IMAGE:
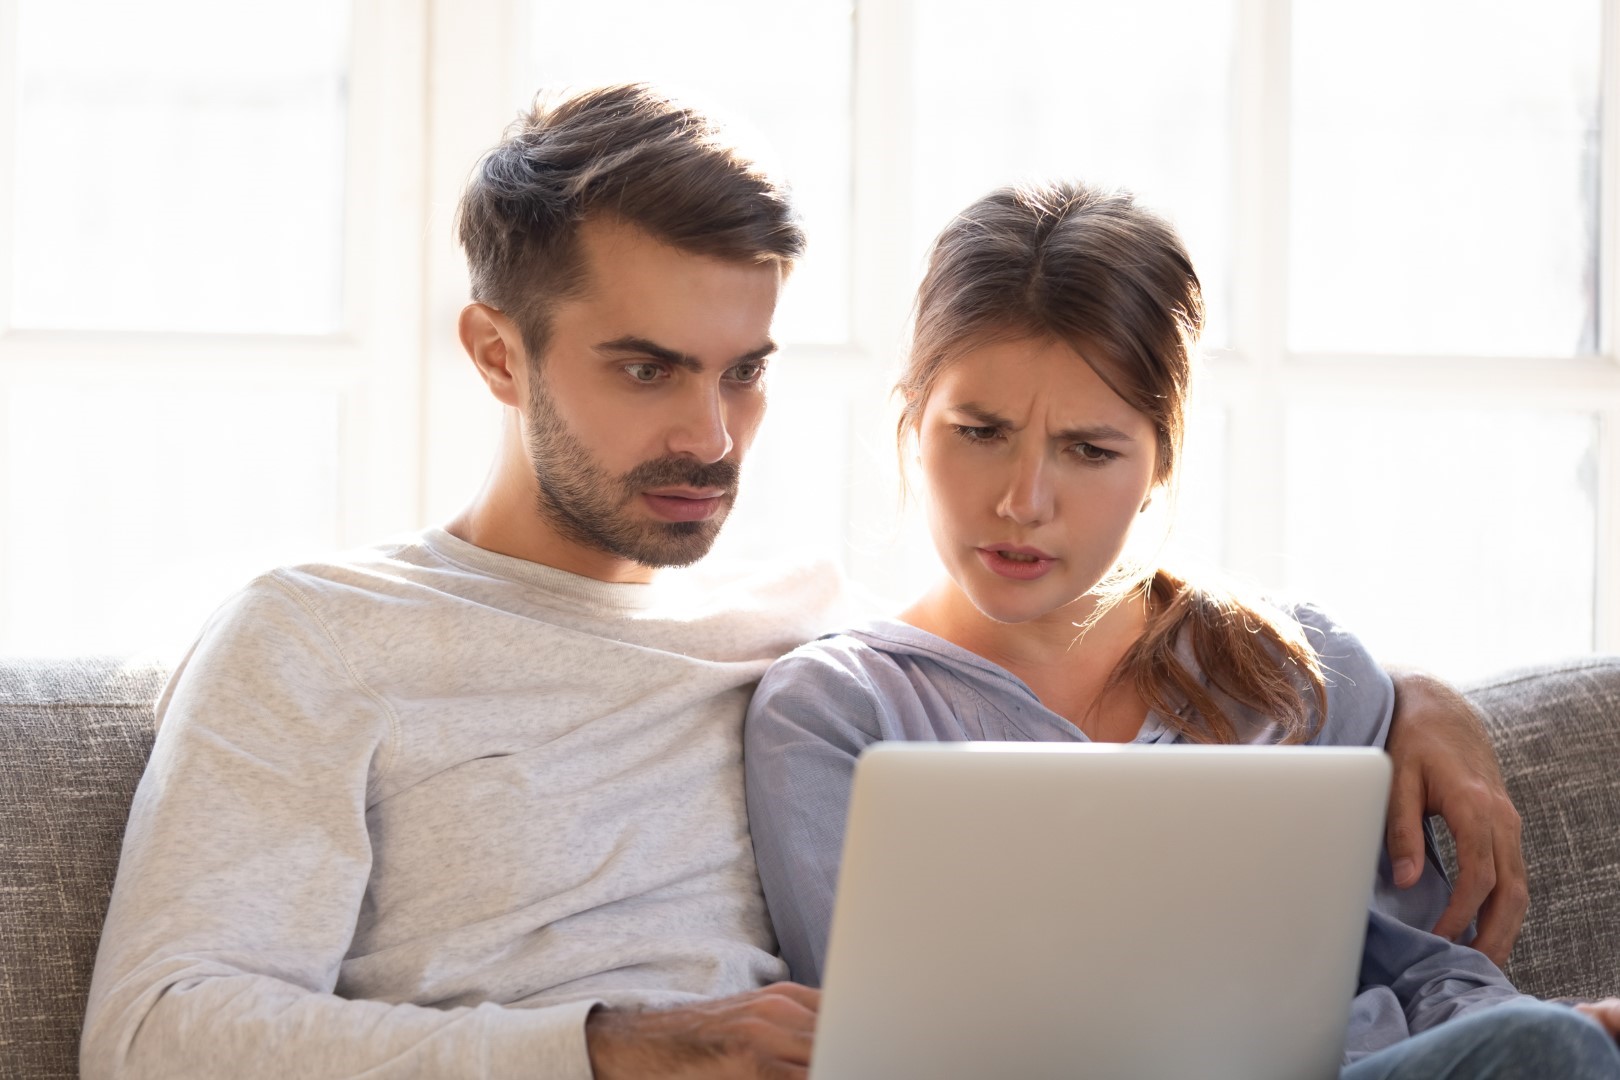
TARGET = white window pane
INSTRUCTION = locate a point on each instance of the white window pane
(180, 167)
(1445, 177)
(782, 69)
(794, 503)
(1464, 541)
(1130, 95)
(1197, 538)
(135, 509)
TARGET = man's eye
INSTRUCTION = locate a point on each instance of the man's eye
(750, 372)
(644, 373)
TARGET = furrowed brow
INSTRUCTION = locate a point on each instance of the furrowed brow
(985, 418)
(635, 346)
(757, 354)
(1098, 433)
(638, 346)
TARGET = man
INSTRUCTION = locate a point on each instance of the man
(470, 803)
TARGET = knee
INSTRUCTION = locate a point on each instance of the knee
(1553, 1040)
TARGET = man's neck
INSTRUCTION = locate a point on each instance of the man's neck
(503, 518)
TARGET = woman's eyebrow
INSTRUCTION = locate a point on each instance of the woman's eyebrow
(974, 411)
(1095, 433)
(1086, 433)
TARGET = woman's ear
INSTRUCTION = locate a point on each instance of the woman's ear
(495, 346)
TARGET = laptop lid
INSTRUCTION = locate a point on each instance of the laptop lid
(1064, 910)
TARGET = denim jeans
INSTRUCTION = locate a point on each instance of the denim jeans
(1521, 1041)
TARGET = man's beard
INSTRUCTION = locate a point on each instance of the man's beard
(591, 507)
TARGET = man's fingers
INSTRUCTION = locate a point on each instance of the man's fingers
(1403, 836)
(1499, 922)
(770, 1042)
(1503, 913)
(807, 996)
(756, 1035)
(1476, 877)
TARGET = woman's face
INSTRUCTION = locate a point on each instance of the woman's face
(1035, 472)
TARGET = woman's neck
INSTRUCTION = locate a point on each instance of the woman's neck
(1067, 667)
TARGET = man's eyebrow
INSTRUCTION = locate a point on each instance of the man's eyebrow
(1094, 433)
(631, 345)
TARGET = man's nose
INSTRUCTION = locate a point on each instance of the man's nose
(702, 430)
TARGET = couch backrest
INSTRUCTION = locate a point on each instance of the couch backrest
(74, 738)
(75, 735)
(1556, 728)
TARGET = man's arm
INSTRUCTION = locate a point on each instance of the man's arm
(247, 869)
(1444, 765)
(244, 874)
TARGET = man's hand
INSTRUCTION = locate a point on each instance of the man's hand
(765, 1034)
(1605, 1012)
(1444, 765)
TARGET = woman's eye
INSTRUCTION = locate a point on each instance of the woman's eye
(1089, 452)
(644, 373)
(976, 434)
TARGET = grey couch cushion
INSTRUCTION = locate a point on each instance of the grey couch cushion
(74, 737)
(1556, 728)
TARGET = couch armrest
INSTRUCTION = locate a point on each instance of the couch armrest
(1556, 729)
(74, 738)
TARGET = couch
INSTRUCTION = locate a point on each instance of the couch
(74, 737)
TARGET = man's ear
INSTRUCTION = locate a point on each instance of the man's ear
(495, 346)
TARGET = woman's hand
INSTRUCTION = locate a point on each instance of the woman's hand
(1444, 765)
(1605, 1012)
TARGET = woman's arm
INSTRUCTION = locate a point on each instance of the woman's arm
(1444, 765)
(808, 722)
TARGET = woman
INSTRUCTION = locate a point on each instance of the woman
(1045, 395)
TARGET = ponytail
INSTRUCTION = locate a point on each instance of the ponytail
(1257, 659)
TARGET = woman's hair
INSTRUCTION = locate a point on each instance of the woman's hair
(624, 152)
(1092, 269)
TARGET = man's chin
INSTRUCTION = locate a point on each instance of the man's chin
(674, 544)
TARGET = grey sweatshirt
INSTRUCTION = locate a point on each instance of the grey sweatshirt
(414, 812)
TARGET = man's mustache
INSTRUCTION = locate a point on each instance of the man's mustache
(683, 472)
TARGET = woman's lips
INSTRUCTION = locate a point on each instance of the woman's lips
(1017, 563)
(684, 505)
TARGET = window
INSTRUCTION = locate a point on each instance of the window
(201, 239)
(1404, 217)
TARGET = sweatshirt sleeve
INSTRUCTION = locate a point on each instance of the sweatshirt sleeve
(1361, 706)
(809, 720)
(244, 869)
(1412, 981)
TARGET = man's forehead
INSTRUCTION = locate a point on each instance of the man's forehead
(638, 288)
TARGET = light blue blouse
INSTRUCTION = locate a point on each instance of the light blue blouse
(820, 705)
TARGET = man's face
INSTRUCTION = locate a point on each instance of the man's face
(647, 396)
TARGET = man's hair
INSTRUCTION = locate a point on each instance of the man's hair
(621, 152)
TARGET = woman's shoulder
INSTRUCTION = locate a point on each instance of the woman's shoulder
(882, 676)
(864, 654)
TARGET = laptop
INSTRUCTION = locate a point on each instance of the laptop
(1022, 910)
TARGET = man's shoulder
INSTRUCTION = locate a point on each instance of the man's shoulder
(309, 602)
(398, 558)
(788, 602)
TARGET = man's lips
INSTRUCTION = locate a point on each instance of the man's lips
(685, 504)
(1015, 561)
